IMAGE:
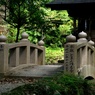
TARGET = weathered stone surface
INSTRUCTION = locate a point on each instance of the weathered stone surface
(41, 43)
(71, 38)
(91, 42)
(70, 57)
(79, 57)
(37, 71)
(19, 55)
(3, 38)
(82, 37)
(24, 36)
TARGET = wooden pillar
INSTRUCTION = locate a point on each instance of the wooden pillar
(81, 24)
(74, 24)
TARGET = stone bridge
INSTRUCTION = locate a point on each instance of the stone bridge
(25, 59)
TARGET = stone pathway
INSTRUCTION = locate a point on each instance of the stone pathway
(38, 71)
(26, 75)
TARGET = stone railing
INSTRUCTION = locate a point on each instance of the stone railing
(80, 56)
(21, 54)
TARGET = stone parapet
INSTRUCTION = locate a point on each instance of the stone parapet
(80, 56)
(17, 55)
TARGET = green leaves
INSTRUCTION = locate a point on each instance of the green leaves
(34, 36)
(53, 55)
(32, 15)
(60, 84)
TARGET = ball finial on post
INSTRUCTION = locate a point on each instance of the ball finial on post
(41, 43)
(24, 36)
(82, 37)
(91, 43)
(3, 38)
(70, 38)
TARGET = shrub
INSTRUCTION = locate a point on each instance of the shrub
(53, 55)
(62, 84)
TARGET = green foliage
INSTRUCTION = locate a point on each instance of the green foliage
(61, 84)
(23, 13)
(53, 55)
(11, 34)
(58, 25)
(52, 25)
(15, 13)
(39, 22)
(34, 36)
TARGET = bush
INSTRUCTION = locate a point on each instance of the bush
(66, 84)
(53, 55)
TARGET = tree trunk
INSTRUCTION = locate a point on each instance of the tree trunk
(18, 30)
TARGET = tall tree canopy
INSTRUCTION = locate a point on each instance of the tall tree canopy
(37, 20)
(19, 13)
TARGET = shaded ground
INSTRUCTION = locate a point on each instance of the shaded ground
(26, 75)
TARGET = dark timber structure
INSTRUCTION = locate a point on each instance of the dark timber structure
(81, 10)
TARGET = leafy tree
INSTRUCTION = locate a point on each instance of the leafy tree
(58, 25)
(38, 21)
(20, 13)
(15, 13)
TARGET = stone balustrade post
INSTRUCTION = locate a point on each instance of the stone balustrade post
(41, 55)
(3, 55)
(24, 50)
(91, 55)
(70, 54)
